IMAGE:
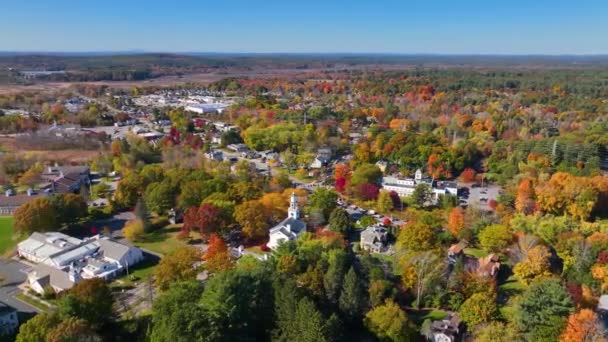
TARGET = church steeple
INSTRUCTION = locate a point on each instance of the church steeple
(294, 210)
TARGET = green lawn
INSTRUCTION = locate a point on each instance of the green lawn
(141, 272)
(33, 302)
(476, 252)
(163, 240)
(7, 242)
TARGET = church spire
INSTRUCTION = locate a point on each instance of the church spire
(294, 209)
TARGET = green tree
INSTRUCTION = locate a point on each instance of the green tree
(384, 204)
(365, 173)
(128, 190)
(101, 190)
(543, 309)
(175, 318)
(286, 304)
(323, 199)
(421, 272)
(38, 328)
(69, 208)
(495, 238)
(352, 296)
(479, 308)
(310, 323)
(422, 195)
(388, 322)
(238, 305)
(160, 197)
(332, 280)
(339, 221)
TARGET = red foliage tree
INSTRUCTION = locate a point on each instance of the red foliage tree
(493, 204)
(206, 219)
(396, 199)
(368, 191)
(340, 184)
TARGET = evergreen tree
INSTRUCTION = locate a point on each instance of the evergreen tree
(141, 212)
(332, 281)
(285, 304)
(339, 221)
(352, 296)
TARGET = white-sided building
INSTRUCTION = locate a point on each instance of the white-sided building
(288, 229)
(62, 260)
(405, 187)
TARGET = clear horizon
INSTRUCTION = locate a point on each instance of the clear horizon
(441, 27)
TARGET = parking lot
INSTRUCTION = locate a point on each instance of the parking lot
(477, 196)
(13, 275)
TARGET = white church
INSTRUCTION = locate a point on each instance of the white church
(288, 229)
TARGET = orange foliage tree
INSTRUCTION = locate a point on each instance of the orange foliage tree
(217, 257)
(468, 175)
(524, 203)
(582, 326)
(456, 221)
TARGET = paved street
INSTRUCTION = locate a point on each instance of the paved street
(13, 274)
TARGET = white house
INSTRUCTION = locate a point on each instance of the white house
(321, 159)
(9, 321)
(288, 229)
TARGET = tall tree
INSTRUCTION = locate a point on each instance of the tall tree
(332, 281)
(421, 272)
(384, 204)
(73, 330)
(456, 221)
(352, 295)
(479, 308)
(339, 221)
(583, 326)
(38, 328)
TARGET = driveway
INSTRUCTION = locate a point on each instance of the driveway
(13, 273)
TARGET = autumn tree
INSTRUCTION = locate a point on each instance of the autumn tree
(415, 237)
(388, 322)
(479, 308)
(524, 202)
(497, 332)
(90, 300)
(206, 219)
(176, 266)
(536, 265)
(467, 175)
(583, 326)
(134, 230)
(456, 221)
(422, 195)
(73, 329)
(37, 215)
(251, 215)
(342, 176)
(217, 257)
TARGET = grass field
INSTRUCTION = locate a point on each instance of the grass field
(6, 234)
(163, 240)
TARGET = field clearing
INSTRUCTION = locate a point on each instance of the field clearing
(162, 241)
(7, 144)
(6, 234)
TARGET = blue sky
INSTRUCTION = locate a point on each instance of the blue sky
(439, 26)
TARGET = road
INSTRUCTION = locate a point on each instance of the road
(14, 275)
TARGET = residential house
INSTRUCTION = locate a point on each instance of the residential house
(382, 165)
(445, 330)
(42, 277)
(215, 155)
(288, 229)
(9, 321)
(66, 179)
(487, 266)
(374, 238)
(238, 147)
(322, 158)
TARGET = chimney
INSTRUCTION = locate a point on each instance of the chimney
(30, 192)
